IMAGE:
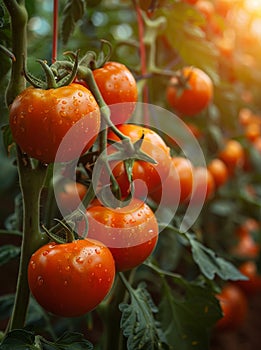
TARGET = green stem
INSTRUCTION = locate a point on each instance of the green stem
(31, 182)
(19, 17)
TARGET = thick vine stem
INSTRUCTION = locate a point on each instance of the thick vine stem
(31, 181)
(19, 17)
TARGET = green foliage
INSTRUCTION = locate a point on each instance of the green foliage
(25, 340)
(72, 12)
(8, 252)
(138, 322)
(187, 321)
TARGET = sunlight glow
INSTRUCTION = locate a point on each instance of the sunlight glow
(253, 6)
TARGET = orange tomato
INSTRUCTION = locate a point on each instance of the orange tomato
(203, 183)
(232, 155)
(190, 91)
(178, 183)
(219, 171)
(252, 131)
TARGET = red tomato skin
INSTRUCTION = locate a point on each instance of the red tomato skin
(71, 279)
(117, 86)
(180, 179)
(131, 232)
(252, 285)
(234, 306)
(39, 120)
(194, 99)
(151, 174)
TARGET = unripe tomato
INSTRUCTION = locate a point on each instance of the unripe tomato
(151, 174)
(119, 90)
(190, 100)
(234, 306)
(130, 232)
(219, 171)
(179, 180)
(71, 279)
(39, 120)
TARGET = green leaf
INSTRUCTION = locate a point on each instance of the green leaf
(68, 341)
(211, 265)
(188, 321)
(138, 323)
(19, 339)
(73, 11)
(8, 252)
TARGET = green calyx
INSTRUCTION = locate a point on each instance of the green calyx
(59, 74)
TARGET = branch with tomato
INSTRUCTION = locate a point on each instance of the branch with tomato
(106, 195)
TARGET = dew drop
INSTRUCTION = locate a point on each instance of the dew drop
(80, 94)
(65, 283)
(105, 270)
(45, 252)
(99, 265)
(67, 268)
(33, 264)
(97, 251)
(92, 274)
(100, 280)
(79, 260)
(40, 280)
(30, 108)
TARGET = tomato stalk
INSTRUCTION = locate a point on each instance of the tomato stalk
(31, 183)
(18, 15)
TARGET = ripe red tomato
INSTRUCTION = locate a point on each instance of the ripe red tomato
(70, 196)
(219, 171)
(119, 90)
(152, 174)
(180, 180)
(234, 306)
(194, 99)
(130, 232)
(39, 120)
(253, 284)
(71, 279)
(232, 155)
(203, 182)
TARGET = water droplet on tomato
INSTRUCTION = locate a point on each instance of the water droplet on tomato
(89, 261)
(67, 268)
(33, 264)
(105, 270)
(79, 260)
(80, 94)
(65, 283)
(100, 280)
(40, 280)
(62, 114)
(45, 252)
(97, 250)
(30, 108)
(99, 265)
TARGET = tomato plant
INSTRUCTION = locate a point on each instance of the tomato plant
(143, 128)
(71, 279)
(130, 232)
(36, 113)
(194, 96)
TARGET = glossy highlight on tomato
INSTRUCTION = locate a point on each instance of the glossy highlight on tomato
(39, 120)
(71, 279)
(130, 232)
(194, 98)
(151, 174)
(118, 88)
